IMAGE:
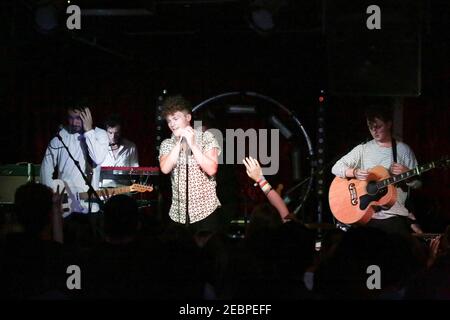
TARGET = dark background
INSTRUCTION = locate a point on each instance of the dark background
(204, 48)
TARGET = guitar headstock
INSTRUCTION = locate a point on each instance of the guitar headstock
(444, 162)
(140, 188)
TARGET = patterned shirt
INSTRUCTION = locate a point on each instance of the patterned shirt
(202, 188)
(368, 155)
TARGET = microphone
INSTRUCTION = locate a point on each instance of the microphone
(184, 144)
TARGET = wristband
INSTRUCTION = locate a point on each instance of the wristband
(259, 181)
(266, 188)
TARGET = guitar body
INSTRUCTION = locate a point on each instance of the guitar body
(352, 201)
(77, 201)
(71, 202)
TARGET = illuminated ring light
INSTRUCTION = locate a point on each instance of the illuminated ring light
(291, 115)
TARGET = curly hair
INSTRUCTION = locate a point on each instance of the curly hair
(174, 104)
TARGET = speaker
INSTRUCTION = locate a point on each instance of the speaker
(13, 176)
(374, 62)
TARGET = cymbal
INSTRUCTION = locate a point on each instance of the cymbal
(325, 226)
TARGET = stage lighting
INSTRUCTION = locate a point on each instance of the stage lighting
(46, 18)
(261, 20)
(262, 14)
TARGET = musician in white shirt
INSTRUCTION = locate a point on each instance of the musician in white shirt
(87, 144)
(121, 151)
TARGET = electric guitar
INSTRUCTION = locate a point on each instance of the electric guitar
(352, 201)
(78, 201)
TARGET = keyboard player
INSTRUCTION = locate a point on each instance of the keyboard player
(121, 151)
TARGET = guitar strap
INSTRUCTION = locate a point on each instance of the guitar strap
(401, 185)
(89, 171)
(394, 149)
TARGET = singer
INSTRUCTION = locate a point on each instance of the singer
(87, 144)
(191, 157)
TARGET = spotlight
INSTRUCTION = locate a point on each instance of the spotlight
(46, 18)
(262, 14)
(261, 20)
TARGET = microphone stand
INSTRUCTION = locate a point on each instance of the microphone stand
(91, 190)
(187, 219)
(299, 207)
(298, 185)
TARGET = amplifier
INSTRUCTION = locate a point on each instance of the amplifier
(13, 176)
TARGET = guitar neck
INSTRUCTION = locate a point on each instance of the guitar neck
(406, 175)
(118, 190)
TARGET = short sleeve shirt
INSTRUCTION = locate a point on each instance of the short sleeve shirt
(201, 187)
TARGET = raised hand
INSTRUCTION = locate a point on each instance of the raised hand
(86, 116)
(434, 250)
(57, 201)
(57, 215)
(254, 170)
(105, 194)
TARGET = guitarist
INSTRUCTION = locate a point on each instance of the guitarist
(87, 144)
(395, 156)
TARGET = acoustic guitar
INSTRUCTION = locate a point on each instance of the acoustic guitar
(353, 201)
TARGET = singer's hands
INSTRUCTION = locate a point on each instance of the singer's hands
(168, 161)
(254, 171)
(86, 116)
(398, 168)
(189, 134)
